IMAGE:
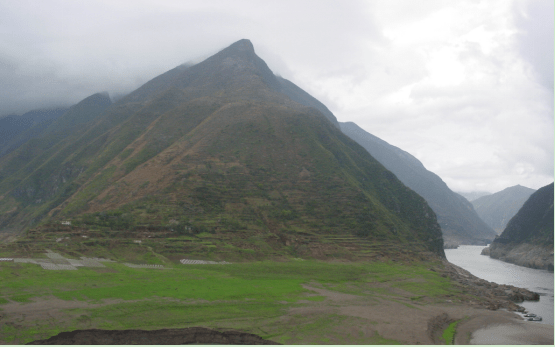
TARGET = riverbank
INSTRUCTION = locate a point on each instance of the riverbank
(524, 254)
(492, 296)
(500, 272)
(496, 324)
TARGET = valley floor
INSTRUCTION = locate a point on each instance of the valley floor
(359, 321)
(291, 302)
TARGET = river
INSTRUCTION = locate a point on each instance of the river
(493, 270)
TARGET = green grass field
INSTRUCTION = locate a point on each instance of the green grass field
(449, 334)
(253, 297)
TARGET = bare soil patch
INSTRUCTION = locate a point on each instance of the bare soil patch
(399, 318)
(47, 308)
(195, 335)
(522, 333)
(331, 295)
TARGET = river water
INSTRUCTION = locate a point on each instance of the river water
(493, 270)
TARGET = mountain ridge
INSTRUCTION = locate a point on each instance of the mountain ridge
(237, 60)
(471, 196)
(497, 209)
(528, 238)
(456, 216)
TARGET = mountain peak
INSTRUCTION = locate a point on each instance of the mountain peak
(242, 45)
(518, 187)
(240, 50)
(235, 71)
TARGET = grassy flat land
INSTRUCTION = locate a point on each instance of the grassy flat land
(296, 301)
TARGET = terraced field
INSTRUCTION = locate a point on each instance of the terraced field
(158, 245)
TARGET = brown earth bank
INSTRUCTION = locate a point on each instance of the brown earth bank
(524, 254)
(195, 335)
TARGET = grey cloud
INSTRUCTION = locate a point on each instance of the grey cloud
(535, 21)
(59, 52)
(77, 49)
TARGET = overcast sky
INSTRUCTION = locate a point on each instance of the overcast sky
(464, 86)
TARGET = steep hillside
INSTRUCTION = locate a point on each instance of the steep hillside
(63, 124)
(219, 148)
(497, 209)
(297, 94)
(34, 177)
(458, 220)
(16, 130)
(528, 238)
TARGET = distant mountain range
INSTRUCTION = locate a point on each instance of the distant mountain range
(456, 216)
(471, 196)
(528, 238)
(221, 147)
(497, 209)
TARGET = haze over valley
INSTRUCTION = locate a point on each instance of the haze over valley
(289, 186)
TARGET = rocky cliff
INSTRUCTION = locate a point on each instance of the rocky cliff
(525, 254)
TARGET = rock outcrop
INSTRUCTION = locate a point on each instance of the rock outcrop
(525, 254)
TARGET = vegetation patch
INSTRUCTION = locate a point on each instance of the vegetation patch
(254, 296)
(449, 334)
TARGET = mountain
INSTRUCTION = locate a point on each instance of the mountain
(12, 127)
(528, 238)
(233, 72)
(37, 168)
(456, 216)
(222, 148)
(63, 123)
(471, 196)
(497, 209)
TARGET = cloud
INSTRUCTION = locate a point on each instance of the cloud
(117, 46)
(465, 86)
(466, 103)
(534, 40)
